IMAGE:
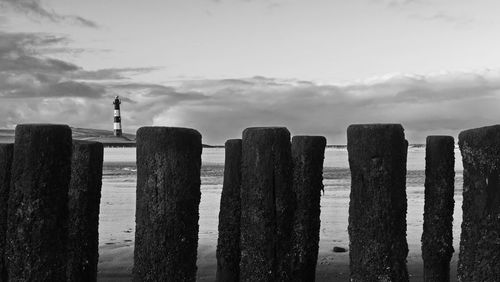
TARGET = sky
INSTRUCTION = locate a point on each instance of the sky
(220, 66)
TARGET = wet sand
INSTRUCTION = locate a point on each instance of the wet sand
(116, 265)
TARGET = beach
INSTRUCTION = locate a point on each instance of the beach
(117, 215)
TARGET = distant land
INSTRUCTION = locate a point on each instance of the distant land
(106, 137)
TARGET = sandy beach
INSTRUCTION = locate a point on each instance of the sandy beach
(117, 219)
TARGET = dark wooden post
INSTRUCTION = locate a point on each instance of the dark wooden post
(228, 246)
(6, 154)
(377, 208)
(168, 198)
(479, 257)
(267, 205)
(84, 200)
(437, 238)
(308, 153)
(37, 222)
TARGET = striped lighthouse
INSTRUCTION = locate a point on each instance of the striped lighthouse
(117, 125)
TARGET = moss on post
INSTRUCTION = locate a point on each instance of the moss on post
(308, 153)
(6, 154)
(84, 200)
(377, 208)
(437, 237)
(37, 219)
(267, 204)
(479, 256)
(168, 198)
(228, 246)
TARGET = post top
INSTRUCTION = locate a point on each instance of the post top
(320, 140)
(159, 130)
(480, 147)
(375, 126)
(233, 141)
(41, 127)
(480, 132)
(440, 138)
(265, 131)
(77, 142)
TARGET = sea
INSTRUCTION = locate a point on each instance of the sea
(117, 210)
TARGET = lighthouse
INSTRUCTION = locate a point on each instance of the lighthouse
(117, 124)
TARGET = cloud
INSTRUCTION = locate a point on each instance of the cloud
(34, 9)
(21, 59)
(425, 104)
(268, 4)
(38, 88)
(35, 87)
(3, 20)
(400, 3)
(112, 73)
(57, 91)
(444, 17)
(26, 73)
(426, 11)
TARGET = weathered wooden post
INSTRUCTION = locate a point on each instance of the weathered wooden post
(168, 198)
(479, 257)
(6, 154)
(308, 153)
(437, 237)
(228, 246)
(267, 204)
(37, 222)
(84, 199)
(377, 208)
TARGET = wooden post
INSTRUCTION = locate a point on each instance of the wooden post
(168, 198)
(267, 204)
(6, 154)
(228, 246)
(84, 200)
(37, 222)
(479, 257)
(308, 153)
(377, 208)
(437, 238)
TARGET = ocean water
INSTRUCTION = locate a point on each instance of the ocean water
(117, 218)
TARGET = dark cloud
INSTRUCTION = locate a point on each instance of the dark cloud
(24, 43)
(33, 8)
(60, 89)
(25, 73)
(20, 54)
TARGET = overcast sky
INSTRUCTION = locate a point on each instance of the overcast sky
(223, 65)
